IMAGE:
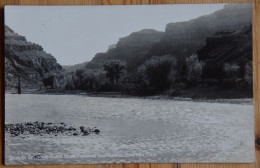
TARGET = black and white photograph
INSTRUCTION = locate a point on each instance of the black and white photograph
(129, 84)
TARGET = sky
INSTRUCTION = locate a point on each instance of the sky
(74, 34)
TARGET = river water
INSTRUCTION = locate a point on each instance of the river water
(132, 130)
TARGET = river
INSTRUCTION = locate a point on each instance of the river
(133, 130)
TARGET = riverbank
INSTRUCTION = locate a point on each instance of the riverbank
(192, 95)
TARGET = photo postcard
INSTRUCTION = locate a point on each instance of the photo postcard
(129, 84)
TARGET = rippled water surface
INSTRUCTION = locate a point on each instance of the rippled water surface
(132, 130)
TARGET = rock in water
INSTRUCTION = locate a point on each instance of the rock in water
(41, 128)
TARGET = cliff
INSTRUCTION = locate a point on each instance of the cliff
(180, 39)
(27, 60)
(227, 55)
(132, 49)
(184, 38)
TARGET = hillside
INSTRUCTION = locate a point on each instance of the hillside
(206, 57)
(73, 68)
(132, 49)
(180, 39)
(27, 60)
(227, 56)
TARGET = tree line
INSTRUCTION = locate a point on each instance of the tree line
(154, 76)
(157, 75)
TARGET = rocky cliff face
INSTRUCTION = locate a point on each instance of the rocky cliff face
(27, 60)
(180, 39)
(131, 49)
(227, 55)
(139, 41)
(185, 38)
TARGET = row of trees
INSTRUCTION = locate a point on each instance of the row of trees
(155, 75)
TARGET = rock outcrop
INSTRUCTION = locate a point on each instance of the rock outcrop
(226, 55)
(43, 129)
(185, 38)
(131, 49)
(27, 60)
(180, 39)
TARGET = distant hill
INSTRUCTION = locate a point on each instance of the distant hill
(73, 68)
(27, 60)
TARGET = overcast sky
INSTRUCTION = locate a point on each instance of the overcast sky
(74, 34)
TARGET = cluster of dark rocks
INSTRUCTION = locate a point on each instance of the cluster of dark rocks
(41, 128)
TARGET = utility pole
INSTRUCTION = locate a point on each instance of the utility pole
(19, 85)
